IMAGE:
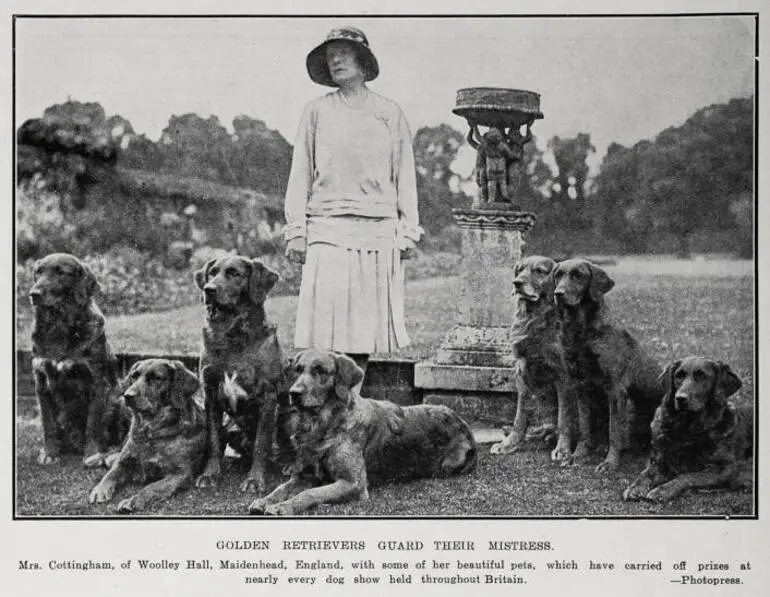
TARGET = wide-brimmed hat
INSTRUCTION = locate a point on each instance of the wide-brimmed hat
(317, 67)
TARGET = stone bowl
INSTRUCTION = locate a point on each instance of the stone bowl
(494, 106)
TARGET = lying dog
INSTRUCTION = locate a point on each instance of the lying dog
(242, 368)
(75, 372)
(167, 441)
(699, 439)
(605, 365)
(345, 441)
(540, 374)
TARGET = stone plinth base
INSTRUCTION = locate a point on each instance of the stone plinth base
(471, 370)
(479, 394)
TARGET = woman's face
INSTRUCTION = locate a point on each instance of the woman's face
(343, 63)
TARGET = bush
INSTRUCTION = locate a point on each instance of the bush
(130, 283)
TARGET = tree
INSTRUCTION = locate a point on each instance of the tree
(570, 155)
(691, 178)
(261, 157)
(435, 149)
(66, 150)
(197, 147)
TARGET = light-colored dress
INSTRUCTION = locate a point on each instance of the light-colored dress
(352, 194)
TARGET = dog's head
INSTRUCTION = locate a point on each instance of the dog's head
(322, 377)
(698, 383)
(154, 384)
(60, 280)
(533, 279)
(579, 281)
(230, 282)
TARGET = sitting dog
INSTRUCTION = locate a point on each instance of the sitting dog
(167, 440)
(75, 371)
(242, 368)
(344, 441)
(540, 374)
(605, 365)
(699, 439)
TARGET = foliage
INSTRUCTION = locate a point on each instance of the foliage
(696, 177)
(67, 149)
(130, 282)
(570, 156)
(435, 149)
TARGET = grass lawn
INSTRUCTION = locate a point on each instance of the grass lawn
(673, 308)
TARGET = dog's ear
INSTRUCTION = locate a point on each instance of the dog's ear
(667, 381)
(726, 383)
(88, 285)
(35, 267)
(600, 284)
(184, 383)
(290, 368)
(201, 275)
(549, 284)
(348, 375)
(261, 281)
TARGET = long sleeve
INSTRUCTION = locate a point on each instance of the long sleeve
(300, 177)
(406, 184)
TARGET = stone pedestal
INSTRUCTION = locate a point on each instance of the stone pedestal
(471, 370)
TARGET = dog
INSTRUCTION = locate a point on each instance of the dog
(346, 442)
(242, 368)
(605, 365)
(699, 439)
(167, 441)
(74, 369)
(540, 373)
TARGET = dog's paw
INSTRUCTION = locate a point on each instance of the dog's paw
(208, 480)
(101, 493)
(130, 505)
(93, 460)
(661, 494)
(258, 506)
(253, 485)
(634, 492)
(504, 447)
(608, 465)
(110, 459)
(282, 509)
(46, 457)
(562, 454)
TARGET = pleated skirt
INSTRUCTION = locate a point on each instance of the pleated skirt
(351, 300)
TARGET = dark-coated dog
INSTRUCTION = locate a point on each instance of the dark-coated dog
(540, 373)
(699, 438)
(167, 441)
(242, 369)
(606, 366)
(75, 371)
(345, 442)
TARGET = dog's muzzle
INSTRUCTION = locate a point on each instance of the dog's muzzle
(132, 401)
(209, 294)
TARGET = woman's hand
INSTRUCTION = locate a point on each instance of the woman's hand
(296, 249)
(408, 249)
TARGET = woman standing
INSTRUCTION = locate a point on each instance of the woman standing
(351, 206)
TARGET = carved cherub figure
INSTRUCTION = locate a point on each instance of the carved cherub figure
(516, 141)
(494, 156)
